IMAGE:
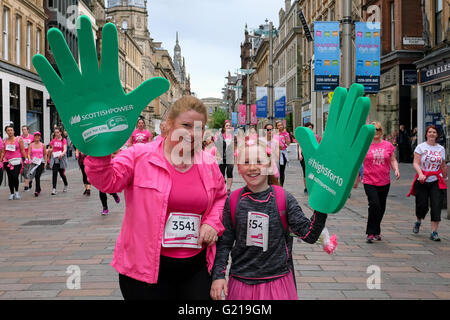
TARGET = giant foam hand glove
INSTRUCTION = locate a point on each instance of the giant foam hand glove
(332, 165)
(96, 112)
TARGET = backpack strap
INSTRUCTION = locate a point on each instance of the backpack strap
(234, 198)
(281, 200)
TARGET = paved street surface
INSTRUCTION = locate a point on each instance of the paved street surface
(34, 259)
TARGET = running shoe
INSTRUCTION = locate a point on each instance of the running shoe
(116, 198)
(26, 189)
(305, 191)
(53, 192)
(88, 192)
(65, 189)
(377, 237)
(11, 197)
(17, 196)
(434, 236)
(36, 194)
(85, 191)
(370, 238)
(416, 227)
(105, 212)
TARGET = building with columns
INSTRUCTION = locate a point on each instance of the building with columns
(23, 96)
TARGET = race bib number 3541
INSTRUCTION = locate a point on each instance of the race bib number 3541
(182, 230)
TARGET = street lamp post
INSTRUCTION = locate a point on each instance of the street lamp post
(248, 72)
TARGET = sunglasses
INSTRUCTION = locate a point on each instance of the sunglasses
(269, 129)
(379, 129)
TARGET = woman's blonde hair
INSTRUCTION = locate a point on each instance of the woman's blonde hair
(184, 104)
(377, 123)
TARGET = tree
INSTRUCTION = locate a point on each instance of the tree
(218, 118)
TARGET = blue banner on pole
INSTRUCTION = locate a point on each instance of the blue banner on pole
(261, 102)
(326, 55)
(280, 102)
(234, 119)
(367, 57)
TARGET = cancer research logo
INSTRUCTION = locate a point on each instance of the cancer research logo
(75, 119)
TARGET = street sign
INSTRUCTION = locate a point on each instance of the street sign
(413, 41)
(305, 25)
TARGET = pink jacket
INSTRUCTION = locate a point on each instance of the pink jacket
(141, 171)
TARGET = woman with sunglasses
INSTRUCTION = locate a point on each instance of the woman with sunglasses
(376, 179)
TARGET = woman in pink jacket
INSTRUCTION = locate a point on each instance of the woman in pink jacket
(174, 195)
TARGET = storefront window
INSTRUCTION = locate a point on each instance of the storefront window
(14, 106)
(437, 111)
(35, 110)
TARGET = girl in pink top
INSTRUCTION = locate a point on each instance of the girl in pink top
(140, 135)
(174, 197)
(27, 138)
(58, 161)
(12, 154)
(376, 179)
(285, 141)
(37, 156)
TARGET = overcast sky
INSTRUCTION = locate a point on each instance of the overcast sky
(210, 33)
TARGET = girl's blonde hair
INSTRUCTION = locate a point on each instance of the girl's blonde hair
(184, 104)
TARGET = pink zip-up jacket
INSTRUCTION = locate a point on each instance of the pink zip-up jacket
(142, 172)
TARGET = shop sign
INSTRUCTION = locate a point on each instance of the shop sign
(435, 72)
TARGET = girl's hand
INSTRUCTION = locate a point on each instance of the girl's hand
(217, 287)
(207, 234)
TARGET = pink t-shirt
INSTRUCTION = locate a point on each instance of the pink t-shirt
(181, 199)
(377, 164)
(139, 136)
(11, 154)
(284, 140)
(37, 152)
(58, 145)
(27, 141)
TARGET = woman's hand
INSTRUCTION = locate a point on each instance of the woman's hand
(397, 174)
(207, 234)
(422, 178)
(217, 287)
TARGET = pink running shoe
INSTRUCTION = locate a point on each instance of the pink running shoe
(105, 212)
(116, 198)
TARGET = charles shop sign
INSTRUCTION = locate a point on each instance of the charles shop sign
(435, 72)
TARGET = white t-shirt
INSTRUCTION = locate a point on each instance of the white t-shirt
(431, 158)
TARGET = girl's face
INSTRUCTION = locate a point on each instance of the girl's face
(57, 133)
(140, 124)
(280, 127)
(10, 132)
(25, 131)
(254, 170)
(181, 130)
(432, 135)
(37, 138)
(227, 126)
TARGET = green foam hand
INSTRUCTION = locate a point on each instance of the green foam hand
(332, 165)
(95, 110)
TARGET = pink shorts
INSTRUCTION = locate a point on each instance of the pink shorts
(280, 289)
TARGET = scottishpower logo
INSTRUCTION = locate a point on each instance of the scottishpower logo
(75, 119)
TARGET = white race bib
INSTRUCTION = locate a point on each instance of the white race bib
(25, 145)
(36, 160)
(10, 147)
(182, 230)
(15, 161)
(56, 154)
(258, 230)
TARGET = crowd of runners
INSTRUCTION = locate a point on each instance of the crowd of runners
(173, 245)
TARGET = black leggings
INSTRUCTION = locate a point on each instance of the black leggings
(55, 170)
(377, 196)
(37, 177)
(13, 177)
(104, 198)
(85, 179)
(282, 168)
(428, 191)
(228, 168)
(178, 279)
